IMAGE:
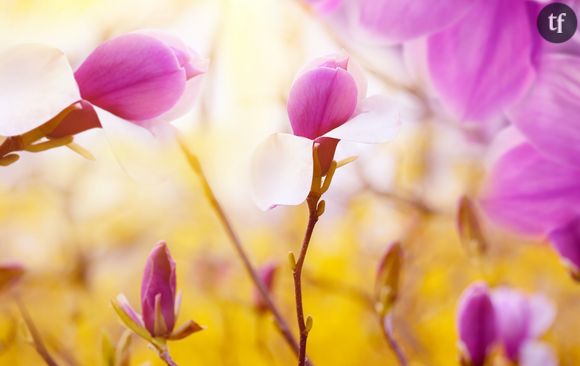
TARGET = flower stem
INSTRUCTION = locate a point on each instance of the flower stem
(387, 328)
(313, 215)
(166, 357)
(283, 327)
(35, 334)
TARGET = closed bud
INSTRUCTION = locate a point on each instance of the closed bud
(388, 277)
(470, 233)
(10, 274)
(267, 274)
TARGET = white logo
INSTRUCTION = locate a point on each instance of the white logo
(559, 19)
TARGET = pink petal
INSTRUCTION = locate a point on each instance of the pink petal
(534, 353)
(566, 240)
(376, 121)
(476, 323)
(543, 314)
(320, 100)
(134, 76)
(395, 21)
(531, 193)
(325, 6)
(513, 317)
(549, 114)
(483, 63)
(36, 84)
(128, 309)
(281, 171)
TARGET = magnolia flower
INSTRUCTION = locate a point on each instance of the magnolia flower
(159, 302)
(10, 274)
(476, 322)
(478, 63)
(140, 77)
(267, 274)
(327, 104)
(520, 319)
(566, 240)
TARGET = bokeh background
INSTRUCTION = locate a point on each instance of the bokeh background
(83, 228)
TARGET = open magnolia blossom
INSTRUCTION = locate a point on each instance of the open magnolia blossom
(143, 78)
(507, 318)
(159, 302)
(327, 103)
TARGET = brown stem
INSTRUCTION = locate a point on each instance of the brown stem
(387, 328)
(166, 357)
(239, 248)
(36, 338)
(312, 201)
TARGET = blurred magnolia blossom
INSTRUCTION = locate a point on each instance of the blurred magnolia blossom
(536, 194)
(327, 103)
(159, 302)
(10, 274)
(143, 78)
(505, 317)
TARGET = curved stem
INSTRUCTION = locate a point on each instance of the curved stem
(387, 328)
(35, 334)
(166, 357)
(195, 165)
(312, 201)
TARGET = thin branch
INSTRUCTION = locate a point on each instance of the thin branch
(35, 334)
(239, 248)
(387, 328)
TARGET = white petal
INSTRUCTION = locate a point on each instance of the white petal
(139, 150)
(543, 314)
(36, 83)
(281, 171)
(535, 353)
(377, 122)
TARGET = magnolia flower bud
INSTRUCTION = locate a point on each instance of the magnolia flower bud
(388, 276)
(470, 232)
(10, 274)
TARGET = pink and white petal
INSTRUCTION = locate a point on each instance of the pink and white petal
(128, 309)
(376, 121)
(281, 171)
(396, 21)
(36, 84)
(482, 64)
(138, 150)
(543, 313)
(530, 193)
(548, 115)
(325, 6)
(535, 353)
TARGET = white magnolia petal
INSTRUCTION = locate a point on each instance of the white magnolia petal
(377, 121)
(534, 353)
(543, 313)
(139, 150)
(281, 171)
(36, 83)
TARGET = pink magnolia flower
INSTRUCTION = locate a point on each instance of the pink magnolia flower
(478, 63)
(566, 240)
(159, 301)
(10, 274)
(327, 104)
(476, 322)
(520, 320)
(137, 77)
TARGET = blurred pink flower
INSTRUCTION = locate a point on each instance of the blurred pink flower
(478, 63)
(139, 77)
(476, 324)
(159, 301)
(10, 274)
(327, 103)
(267, 274)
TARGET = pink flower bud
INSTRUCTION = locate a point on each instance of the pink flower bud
(476, 324)
(136, 76)
(267, 274)
(158, 291)
(10, 274)
(388, 276)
